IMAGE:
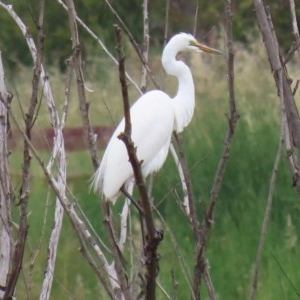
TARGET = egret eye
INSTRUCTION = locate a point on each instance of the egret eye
(179, 55)
(183, 56)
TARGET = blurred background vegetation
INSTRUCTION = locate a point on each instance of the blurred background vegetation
(98, 16)
(233, 241)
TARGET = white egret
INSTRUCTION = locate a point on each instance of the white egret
(154, 117)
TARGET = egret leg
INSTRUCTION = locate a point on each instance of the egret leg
(127, 195)
(141, 213)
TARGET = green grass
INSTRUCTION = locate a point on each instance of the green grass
(233, 240)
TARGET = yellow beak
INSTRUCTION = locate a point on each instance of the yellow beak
(207, 49)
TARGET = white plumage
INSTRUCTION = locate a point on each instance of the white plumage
(154, 116)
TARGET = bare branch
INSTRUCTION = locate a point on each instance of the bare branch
(124, 219)
(52, 251)
(145, 48)
(44, 80)
(102, 45)
(68, 81)
(153, 237)
(233, 116)
(122, 79)
(185, 202)
(116, 270)
(83, 234)
(283, 86)
(296, 44)
(24, 190)
(283, 272)
(267, 213)
(177, 247)
(196, 18)
(77, 61)
(58, 139)
(134, 43)
(201, 267)
(58, 150)
(95, 258)
(6, 242)
(295, 25)
(188, 185)
(166, 32)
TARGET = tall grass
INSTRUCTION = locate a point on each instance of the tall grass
(233, 240)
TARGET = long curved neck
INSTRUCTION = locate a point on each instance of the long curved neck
(184, 101)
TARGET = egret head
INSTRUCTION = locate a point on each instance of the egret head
(186, 42)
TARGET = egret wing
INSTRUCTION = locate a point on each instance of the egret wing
(152, 119)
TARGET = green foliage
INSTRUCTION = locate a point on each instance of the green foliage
(96, 14)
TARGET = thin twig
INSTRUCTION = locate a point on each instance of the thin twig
(166, 32)
(69, 76)
(283, 130)
(185, 202)
(188, 185)
(133, 42)
(77, 62)
(164, 292)
(102, 45)
(59, 152)
(145, 48)
(233, 115)
(196, 18)
(179, 254)
(201, 267)
(34, 253)
(296, 44)
(267, 214)
(123, 219)
(174, 285)
(295, 25)
(232, 119)
(293, 286)
(208, 282)
(116, 270)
